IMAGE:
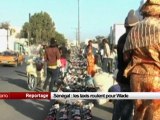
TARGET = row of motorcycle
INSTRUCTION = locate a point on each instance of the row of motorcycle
(74, 79)
(70, 110)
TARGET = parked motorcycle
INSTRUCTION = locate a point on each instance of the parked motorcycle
(35, 73)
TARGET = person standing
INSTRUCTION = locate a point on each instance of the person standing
(63, 51)
(52, 57)
(105, 52)
(142, 49)
(111, 61)
(90, 55)
(123, 108)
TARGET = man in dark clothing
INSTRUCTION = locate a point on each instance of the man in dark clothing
(123, 108)
(63, 51)
(121, 64)
(52, 57)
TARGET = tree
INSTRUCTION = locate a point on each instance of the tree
(60, 38)
(40, 28)
(25, 30)
(4, 25)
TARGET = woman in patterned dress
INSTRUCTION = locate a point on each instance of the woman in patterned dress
(142, 49)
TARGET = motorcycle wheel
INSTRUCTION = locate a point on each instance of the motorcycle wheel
(32, 82)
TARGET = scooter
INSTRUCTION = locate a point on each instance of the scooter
(35, 73)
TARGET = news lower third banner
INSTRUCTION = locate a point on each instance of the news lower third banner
(80, 95)
(105, 95)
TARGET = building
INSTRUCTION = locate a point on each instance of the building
(9, 41)
(116, 31)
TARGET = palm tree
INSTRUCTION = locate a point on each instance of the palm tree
(6, 26)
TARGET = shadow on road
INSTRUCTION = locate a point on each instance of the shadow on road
(20, 73)
(18, 82)
(35, 109)
(9, 66)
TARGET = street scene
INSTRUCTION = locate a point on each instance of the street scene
(78, 46)
(14, 79)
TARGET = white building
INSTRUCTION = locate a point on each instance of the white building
(6, 42)
(116, 32)
(9, 41)
(118, 29)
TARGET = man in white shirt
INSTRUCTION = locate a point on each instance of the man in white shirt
(105, 52)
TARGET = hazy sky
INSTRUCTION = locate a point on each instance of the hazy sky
(96, 16)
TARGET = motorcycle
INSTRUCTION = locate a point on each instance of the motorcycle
(35, 73)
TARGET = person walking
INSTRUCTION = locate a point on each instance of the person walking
(105, 52)
(52, 57)
(142, 49)
(123, 108)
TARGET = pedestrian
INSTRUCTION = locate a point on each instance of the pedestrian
(98, 60)
(105, 52)
(52, 57)
(111, 59)
(63, 65)
(142, 49)
(63, 51)
(93, 49)
(123, 108)
(26, 57)
(90, 54)
(42, 51)
(115, 58)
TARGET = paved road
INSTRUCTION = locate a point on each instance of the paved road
(102, 112)
(13, 79)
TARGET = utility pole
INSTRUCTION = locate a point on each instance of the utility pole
(76, 37)
(78, 24)
(29, 30)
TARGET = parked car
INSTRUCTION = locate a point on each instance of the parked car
(11, 58)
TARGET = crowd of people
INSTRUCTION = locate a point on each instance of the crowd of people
(138, 52)
(103, 57)
(137, 58)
